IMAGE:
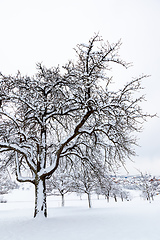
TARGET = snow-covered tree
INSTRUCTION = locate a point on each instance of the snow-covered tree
(111, 187)
(149, 186)
(106, 186)
(6, 183)
(155, 186)
(117, 191)
(78, 105)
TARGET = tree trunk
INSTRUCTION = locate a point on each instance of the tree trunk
(89, 200)
(152, 197)
(122, 197)
(40, 198)
(107, 196)
(62, 199)
(115, 198)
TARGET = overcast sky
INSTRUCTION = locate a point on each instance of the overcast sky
(46, 31)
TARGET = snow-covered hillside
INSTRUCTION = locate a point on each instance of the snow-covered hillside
(128, 220)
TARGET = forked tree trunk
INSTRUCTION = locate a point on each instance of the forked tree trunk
(40, 199)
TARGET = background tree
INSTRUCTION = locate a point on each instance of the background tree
(6, 184)
(61, 181)
(106, 186)
(117, 190)
(85, 180)
(149, 186)
(78, 104)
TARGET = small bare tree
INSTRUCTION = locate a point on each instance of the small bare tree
(78, 104)
(85, 179)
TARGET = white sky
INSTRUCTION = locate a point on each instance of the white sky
(46, 31)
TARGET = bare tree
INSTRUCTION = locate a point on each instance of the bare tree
(61, 181)
(85, 179)
(106, 186)
(78, 105)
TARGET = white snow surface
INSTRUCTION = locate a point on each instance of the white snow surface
(132, 220)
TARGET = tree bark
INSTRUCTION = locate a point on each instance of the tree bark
(107, 196)
(122, 197)
(89, 200)
(62, 199)
(115, 198)
(40, 198)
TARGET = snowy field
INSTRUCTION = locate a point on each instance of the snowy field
(134, 220)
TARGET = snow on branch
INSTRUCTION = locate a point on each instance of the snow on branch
(10, 117)
(14, 147)
(18, 172)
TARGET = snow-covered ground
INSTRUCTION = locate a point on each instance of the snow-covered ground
(133, 220)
